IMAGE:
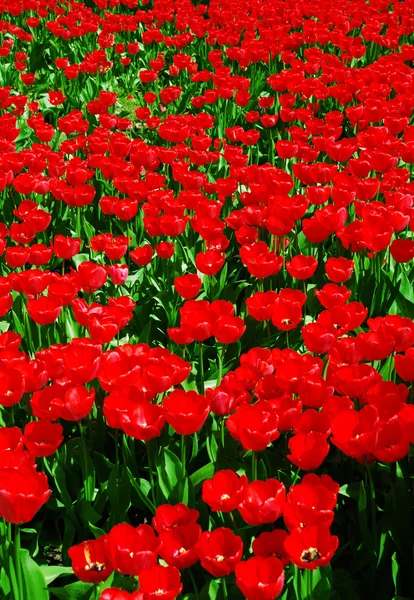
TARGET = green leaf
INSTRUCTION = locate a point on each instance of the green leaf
(80, 258)
(86, 513)
(170, 472)
(119, 494)
(97, 531)
(395, 570)
(211, 590)
(52, 572)
(138, 487)
(74, 591)
(33, 579)
(202, 474)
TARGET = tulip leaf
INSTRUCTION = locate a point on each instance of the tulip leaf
(52, 572)
(170, 472)
(138, 486)
(33, 578)
(202, 474)
(74, 591)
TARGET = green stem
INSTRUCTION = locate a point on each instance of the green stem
(309, 581)
(193, 583)
(373, 505)
(151, 476)
(221, 359)
(200, 353)
(183, 453)
(223, 432)
(225, 595)
(18, 564)
(254, 466)
(89, 491)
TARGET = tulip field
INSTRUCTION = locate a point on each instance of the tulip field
(206, 300)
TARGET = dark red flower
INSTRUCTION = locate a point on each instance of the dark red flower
(143, 421)
(178, 545)
(115, 594)
(339, 269)
(263, 502)
(12, 385)
(255, 426)
(43, 438)
(224, 491)
(23, 492)
(168, 517)
(301, 267)
(186, 412)
(188, 286)
(90, 561)
(404, 365)
(219, 551)
(260, 578)
(132, 549)
(356, 432)
(311, 502)
(66, 247)
(271, 543)
(308, 450)
(311, 547)
(160, 583)
(44, 310)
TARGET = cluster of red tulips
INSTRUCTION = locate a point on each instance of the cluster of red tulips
(206, 299)
(307, 511)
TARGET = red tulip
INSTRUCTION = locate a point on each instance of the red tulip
(308, 450)
(43, 438)
(143, 421)
(130, 549)
(310, 502)
(271, 543)
(115, 594)
(224, 491)
(12, 386)
(332, 295)
(160, 583)
(63, 401)
(66, 247)
(404, 365)
(210, 262)
(263, 502)
(81, 361)
(356, 432)
(178, 545)
(90, 562)
(260, 305)
(186, 412)
(91, 276)
(311, 547)
(11, 438)
(44, 310)
(142, 256)
(22, 493)
(219, 551)
(302, 267)
(339, 269)
(260, 578)
(255, 426)
(168, 517)
(188, 286)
